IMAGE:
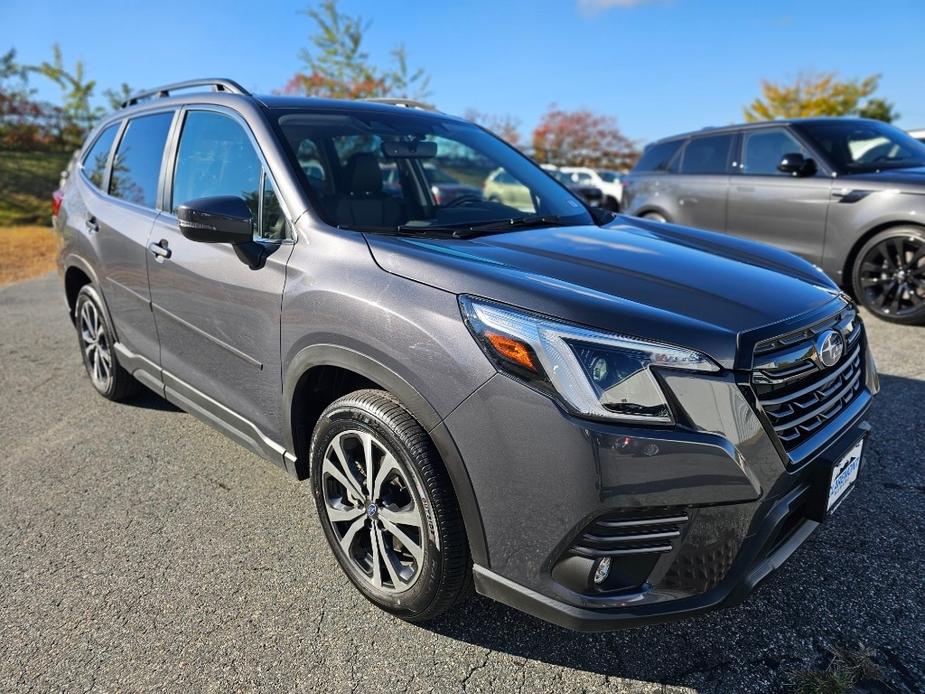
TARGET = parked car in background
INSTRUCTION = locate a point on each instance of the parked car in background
(609, 183)
(847, 194)
(597, 420)
(502, 187)
(592, 195)
(918, 134)
(443, 187)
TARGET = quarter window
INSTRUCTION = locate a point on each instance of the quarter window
(763, 149)
(707, 155)
(136, 167)
(97, 158)
(658, 157)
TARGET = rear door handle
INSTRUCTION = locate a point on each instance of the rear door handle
(92, 225)
(160, 250)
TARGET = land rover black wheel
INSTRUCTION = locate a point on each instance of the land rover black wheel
(889, 275)
(387, 506)
(97, 341)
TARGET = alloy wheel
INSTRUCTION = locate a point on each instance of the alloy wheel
(96, 347)
(377, 520)
(892, 276)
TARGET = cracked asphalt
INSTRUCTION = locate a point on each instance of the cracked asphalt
(141, 550)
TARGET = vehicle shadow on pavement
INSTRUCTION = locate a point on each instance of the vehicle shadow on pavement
(796, 614)
(149, 400)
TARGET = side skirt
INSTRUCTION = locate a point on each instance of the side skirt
(206, 408)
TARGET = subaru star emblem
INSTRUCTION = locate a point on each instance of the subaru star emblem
(830, 347)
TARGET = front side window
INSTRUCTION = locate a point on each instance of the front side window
(763, 149)
(216, 157)
(97, 158)
(707, 155)
(852, 146)
(411, 172)
(136, 167)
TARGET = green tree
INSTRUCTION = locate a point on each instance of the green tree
(116, 97)
(79, 114)
(819, 94)
(337, 66)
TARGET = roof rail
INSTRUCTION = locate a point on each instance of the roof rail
(219, 84)
(407, 103)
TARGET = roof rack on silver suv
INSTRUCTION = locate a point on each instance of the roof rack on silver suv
(407, 103)
(218, 84)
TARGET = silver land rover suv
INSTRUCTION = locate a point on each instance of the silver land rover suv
(847, 194)
(598, 420)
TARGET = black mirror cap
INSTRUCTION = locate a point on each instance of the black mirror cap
(218, 219)
(796, 164)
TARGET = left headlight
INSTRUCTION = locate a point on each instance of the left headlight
(594, 374)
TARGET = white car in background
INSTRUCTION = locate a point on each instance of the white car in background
(918, 134)
(608, 182)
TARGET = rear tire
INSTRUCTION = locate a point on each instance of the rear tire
(387, 507)
(97, 347)
(888, 276)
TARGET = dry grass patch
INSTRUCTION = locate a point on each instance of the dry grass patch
(25, 252)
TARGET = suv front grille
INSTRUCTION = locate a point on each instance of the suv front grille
(795, 391)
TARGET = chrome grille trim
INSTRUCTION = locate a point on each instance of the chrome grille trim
(802, 400)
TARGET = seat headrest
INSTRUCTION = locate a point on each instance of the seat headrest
(363, 173)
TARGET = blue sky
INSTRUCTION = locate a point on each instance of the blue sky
(659, 66)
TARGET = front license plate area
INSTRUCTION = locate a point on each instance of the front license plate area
(844, 475)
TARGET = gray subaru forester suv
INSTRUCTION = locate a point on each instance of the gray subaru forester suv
(847, 194)
(597, 420)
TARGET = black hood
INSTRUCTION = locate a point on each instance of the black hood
(660, 282)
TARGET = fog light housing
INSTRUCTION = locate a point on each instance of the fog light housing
(602, 571)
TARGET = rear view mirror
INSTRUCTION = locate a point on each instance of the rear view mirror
(403, 149)
(219, 219)
(797, 165)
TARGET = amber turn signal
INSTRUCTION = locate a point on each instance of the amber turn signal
(513, 350)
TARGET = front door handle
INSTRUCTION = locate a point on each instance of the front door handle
(160, 250)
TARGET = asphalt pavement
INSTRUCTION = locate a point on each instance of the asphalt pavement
(141, 550)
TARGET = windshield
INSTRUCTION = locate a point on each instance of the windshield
(375, 171)
(854, 146)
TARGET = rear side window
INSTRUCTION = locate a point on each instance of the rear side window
(707, 155)
(137, 164)
(658, 157)
(96, 159)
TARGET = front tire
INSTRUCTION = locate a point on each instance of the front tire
(889, 275)
(387, 507)
(97, 347)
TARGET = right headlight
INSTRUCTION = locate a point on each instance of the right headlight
(594, 374)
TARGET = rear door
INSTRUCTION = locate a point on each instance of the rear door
(217, 306)
(120, 218)
(768, 205)
(704, 182)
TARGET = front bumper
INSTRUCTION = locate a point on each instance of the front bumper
(543, 478)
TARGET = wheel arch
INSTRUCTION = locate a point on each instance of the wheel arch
(848, 268)
(319, 374)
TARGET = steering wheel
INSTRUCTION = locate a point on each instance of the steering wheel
(463, 200)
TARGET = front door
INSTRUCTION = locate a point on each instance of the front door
(217, 306)
(768, 205)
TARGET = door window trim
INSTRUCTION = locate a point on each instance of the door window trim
(103, 188)
(170, 162)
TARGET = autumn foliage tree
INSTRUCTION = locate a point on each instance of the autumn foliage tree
(820, 94)
(337, 66)
(504, 125)
(582, 138)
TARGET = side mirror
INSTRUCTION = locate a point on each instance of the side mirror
(219, 219)
(797, 165)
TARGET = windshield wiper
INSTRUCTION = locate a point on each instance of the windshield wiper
(499, 226)
(399, 229)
